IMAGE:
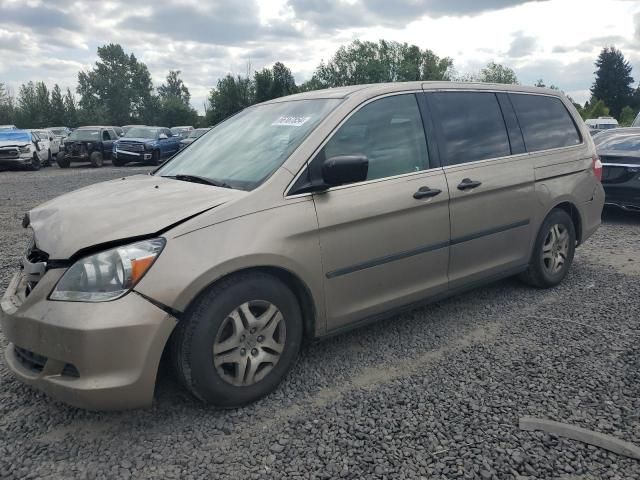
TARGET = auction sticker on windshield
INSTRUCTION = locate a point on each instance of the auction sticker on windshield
(291, 121)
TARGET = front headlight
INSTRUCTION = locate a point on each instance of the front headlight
(148, 146)
(24, 149)
(107, 275)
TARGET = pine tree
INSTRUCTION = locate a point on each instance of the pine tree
(613, 80)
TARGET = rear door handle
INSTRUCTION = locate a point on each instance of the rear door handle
(467, 183)
(424, 192)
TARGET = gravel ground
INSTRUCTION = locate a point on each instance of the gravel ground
(434, 393)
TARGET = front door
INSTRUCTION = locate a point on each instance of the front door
(491, 183)
(384, 241)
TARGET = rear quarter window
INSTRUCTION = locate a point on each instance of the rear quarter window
(545, 122)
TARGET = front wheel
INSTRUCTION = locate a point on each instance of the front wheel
(96, 159)
(553, 251)
(35, 162)
(155, 158)
(238, 340)
(62, 161)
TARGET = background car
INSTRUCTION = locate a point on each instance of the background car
(119, 131)
(49, 143)
(88, 144)
(193, 136)
(145, 144)
(8, 127)
(601, 123)
(182, 131)
(60, 132)
(620, 156)
(21, 148)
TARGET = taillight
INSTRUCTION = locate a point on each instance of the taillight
(597, 167)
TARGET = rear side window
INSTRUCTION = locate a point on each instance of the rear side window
(470, 126)
(545, 122)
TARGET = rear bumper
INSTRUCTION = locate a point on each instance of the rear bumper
(97, 356)
(624, 195)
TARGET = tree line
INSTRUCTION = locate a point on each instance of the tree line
(118, 90)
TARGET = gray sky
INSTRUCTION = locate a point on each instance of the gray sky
(557, 40)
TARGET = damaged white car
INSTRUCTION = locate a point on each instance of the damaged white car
(21, 148)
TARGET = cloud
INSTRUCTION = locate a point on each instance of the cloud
(522, 45)
(339, 14)
(220, 23)
(37, 17)
(591, 44)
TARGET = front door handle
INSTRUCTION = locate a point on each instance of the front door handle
(424, 192)
(467, 183)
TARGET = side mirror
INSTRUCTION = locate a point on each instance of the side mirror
(345, 169)
(121, 134)
(162, 136)
(51, 139)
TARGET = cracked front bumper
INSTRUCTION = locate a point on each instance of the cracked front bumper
(98, 356)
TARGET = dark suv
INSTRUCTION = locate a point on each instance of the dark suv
(87, 144)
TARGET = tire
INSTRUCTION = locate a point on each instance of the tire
(198, 345)
(155, 158)
(96, 159)
(116, 162)
(545, 270)
(35, 163)
(62, 161)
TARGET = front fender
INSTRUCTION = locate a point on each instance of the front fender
(284, 237)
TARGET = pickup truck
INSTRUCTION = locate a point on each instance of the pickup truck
(87, 144)
(150, 145)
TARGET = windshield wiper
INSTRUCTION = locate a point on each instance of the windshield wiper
(199, 179)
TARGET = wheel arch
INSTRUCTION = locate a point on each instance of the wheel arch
(299, 288)
(574, 213)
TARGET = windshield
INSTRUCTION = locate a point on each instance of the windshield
(14, 136)
(247, 148)
(58, 131)
(85, 134)
(141, 132)
(624, 143)
(604, 126)
(197, 133)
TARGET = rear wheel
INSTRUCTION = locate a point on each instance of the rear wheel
(96, 159)
(553, 251)
(35, 162)
(62, 161)
(238, 340)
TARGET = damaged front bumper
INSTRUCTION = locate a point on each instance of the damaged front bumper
(97, 356)
(132, 156)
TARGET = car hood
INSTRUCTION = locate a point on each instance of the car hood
(130, 207)
(141, 140)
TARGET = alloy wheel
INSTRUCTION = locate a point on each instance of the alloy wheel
(555, 248)
(249, 343)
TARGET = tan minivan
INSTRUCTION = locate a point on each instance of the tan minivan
(296, 218)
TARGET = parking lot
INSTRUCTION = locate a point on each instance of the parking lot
(433, 393)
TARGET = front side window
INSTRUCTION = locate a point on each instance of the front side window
(388, 132)
(545, 122)
(247, 148)
(470, 126)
